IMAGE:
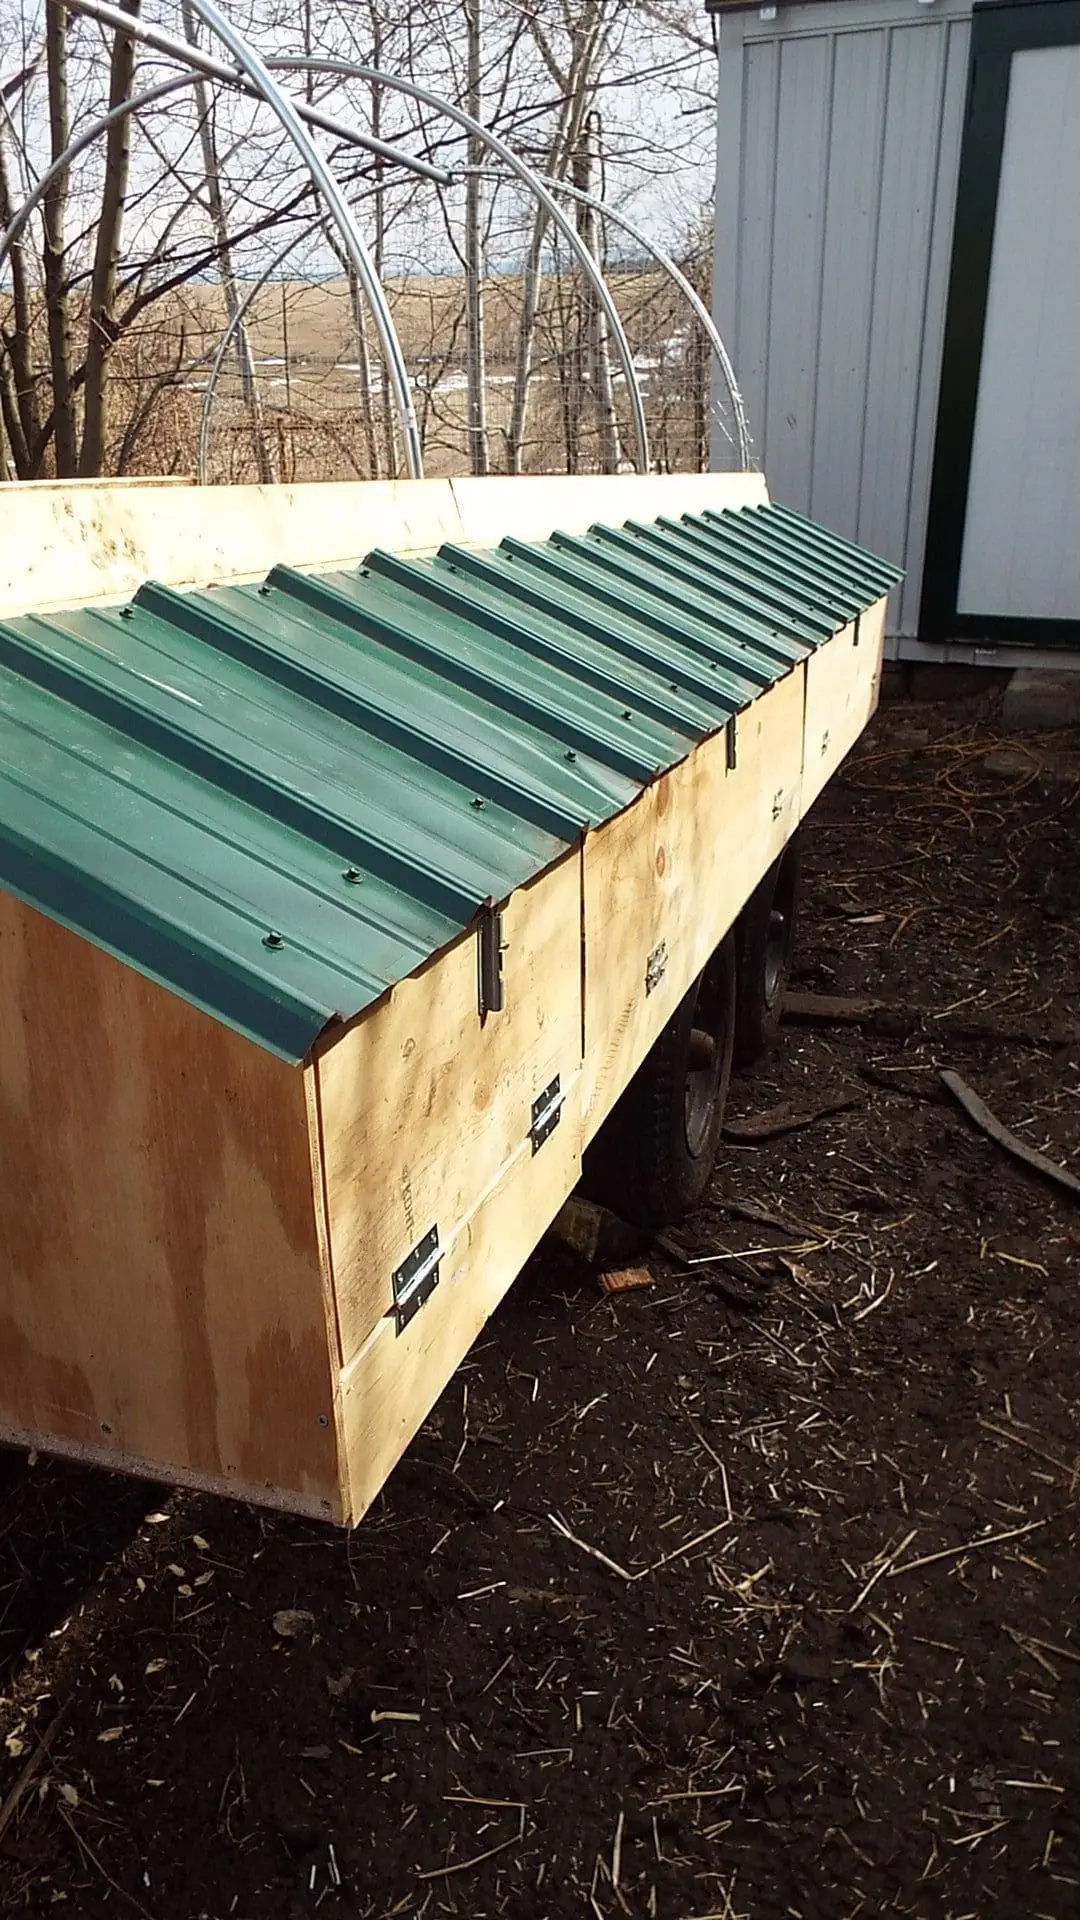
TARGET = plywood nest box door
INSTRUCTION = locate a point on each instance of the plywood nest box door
(356, 843)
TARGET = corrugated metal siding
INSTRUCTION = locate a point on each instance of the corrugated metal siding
(838, 152)
(278, 800)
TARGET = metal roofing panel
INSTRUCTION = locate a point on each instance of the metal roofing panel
(278, 800)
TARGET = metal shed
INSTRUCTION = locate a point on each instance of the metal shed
(898, 278)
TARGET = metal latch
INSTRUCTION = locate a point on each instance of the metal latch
(655, 967)
(858, 628)
(416, 1279)
(731, 745)
(546, 1114)
(491, 948)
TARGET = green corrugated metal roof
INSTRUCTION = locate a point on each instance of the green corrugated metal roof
(354, 762)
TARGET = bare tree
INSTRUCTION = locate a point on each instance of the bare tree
(57, 290)
(113, 301)
(575, 76)
(474, 259)
(215, 202)
(102, 328)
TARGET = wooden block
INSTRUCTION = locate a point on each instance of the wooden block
(843, 681)
(79, 542)
(161, 1304)
(424, 1108)
(532, 506)
(666, 879)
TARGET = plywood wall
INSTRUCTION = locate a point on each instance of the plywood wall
(198, 1242)
(424, 1122)
(161, 1302)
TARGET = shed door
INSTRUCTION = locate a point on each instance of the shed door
(1021, 551)
(1003, 546)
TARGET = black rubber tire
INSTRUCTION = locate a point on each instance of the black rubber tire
(764, 941)
(653, 1158)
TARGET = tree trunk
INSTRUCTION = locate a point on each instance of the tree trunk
(245, 364)
(389, 417)
(578, 370)
(598, 344)
(18, 389)
(102, 331)
(530, 308)
(363, 352)
(363, 360)
(57, 291)
(577, 86)
(474, 265)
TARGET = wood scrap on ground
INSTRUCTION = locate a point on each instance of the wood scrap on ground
(792, 1114)
(626, 1279)
(595, 1233)
(896, 1018)
(978, 1111)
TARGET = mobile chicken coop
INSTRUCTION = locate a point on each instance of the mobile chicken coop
(359, 845)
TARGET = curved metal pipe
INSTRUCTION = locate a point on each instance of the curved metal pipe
(338, 208)
(346, 69)
(235, 322)
(193, 56)
(689, 292)
(79, 145)
(214, 69)
(530, 179)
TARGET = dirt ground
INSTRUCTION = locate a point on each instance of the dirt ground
(750, 1593)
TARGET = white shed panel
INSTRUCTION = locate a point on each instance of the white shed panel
(838, 151)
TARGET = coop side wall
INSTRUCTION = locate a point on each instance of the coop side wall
(665, 880)
(161, 1302)
(421, 1107)
(424, 1122)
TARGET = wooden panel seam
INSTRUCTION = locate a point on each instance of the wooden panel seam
(321, 1204)
(320, 1195)
(170, 1473)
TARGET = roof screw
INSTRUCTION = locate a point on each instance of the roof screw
(264, 589)
(674, 687)
(353, 875)
(272, 939)
(570, 754)
(126, 613)
(627, 715)
(478, 803)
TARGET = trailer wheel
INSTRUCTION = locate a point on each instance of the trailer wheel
(653, 1157)
(765, 939)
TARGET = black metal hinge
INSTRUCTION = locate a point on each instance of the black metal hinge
(655, 967)
(546, 1114)
(416, 1279)
(491, 949)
